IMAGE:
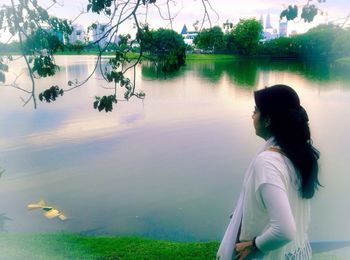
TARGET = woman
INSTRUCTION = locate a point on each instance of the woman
(272, 215)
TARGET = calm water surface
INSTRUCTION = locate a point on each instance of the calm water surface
(168, 167)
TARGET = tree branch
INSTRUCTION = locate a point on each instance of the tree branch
(24, 56)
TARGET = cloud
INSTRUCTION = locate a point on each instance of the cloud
(82, 128)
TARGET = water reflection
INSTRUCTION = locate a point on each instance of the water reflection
(316, 71)
(245, 72)
(156, 167)
(3, 220)
(77, 71)
(210, 71)
(150, 71)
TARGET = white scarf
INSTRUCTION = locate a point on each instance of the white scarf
(226, 249)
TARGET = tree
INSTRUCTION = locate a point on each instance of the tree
(167, 49)
(247, 34)
(341, 44)
(40, 40)
(25, 18)
(321, 42)
(210, 39)
(229, 41)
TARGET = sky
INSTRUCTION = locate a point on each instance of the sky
(189, 11)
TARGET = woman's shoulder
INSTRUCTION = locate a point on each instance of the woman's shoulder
(273, 160)
(271, 155)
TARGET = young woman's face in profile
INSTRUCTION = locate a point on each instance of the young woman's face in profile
(259, 124)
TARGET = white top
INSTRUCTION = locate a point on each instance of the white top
(273, 210)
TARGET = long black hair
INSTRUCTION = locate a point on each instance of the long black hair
(289, 126)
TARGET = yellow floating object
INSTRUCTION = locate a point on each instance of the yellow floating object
(38, 205)
(46, 208)
(49, 212)
(52, 213)
(62, 217)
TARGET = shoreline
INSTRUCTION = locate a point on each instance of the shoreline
(74, 246)
(343, 61)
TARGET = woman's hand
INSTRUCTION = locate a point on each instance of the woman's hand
(244, 250)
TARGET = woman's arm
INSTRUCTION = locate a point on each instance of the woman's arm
(282, 227)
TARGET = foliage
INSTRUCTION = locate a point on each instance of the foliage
(290, 13)
(50, 94)
(243, 39)
(40, 40)
(345, 62)
(210, 39)
(36, 31)
(26, 20)
(97, 6)
(105, 103)
(323, 41)
(341, 43)
(44, 65)
(29, 16)
(3, 68)
(229, 41)
(308, 13)
(77, 46)
(246, 34)
(13, 47)
(167, 49)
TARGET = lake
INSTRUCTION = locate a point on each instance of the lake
(170, 166)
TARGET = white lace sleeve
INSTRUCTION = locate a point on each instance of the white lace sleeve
(282, 228)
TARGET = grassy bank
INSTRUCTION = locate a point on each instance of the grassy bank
(189, 57)
(70, 246)
(216, 57)
(344, 61)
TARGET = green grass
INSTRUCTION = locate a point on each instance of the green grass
(189, 57)
(344, 61)
(215, 57)
(70, 246)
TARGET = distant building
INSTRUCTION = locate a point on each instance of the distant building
(227, 26)
(261, 20)
(184, 30)
(283, 29)
(78, 35)
(269, 32)
(188, 35)
(101, 35)
(268, 22)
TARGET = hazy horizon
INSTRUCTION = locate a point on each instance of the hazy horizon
(190, 11)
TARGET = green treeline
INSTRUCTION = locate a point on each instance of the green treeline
(242, 39)
(323, 41)
(245, 39)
